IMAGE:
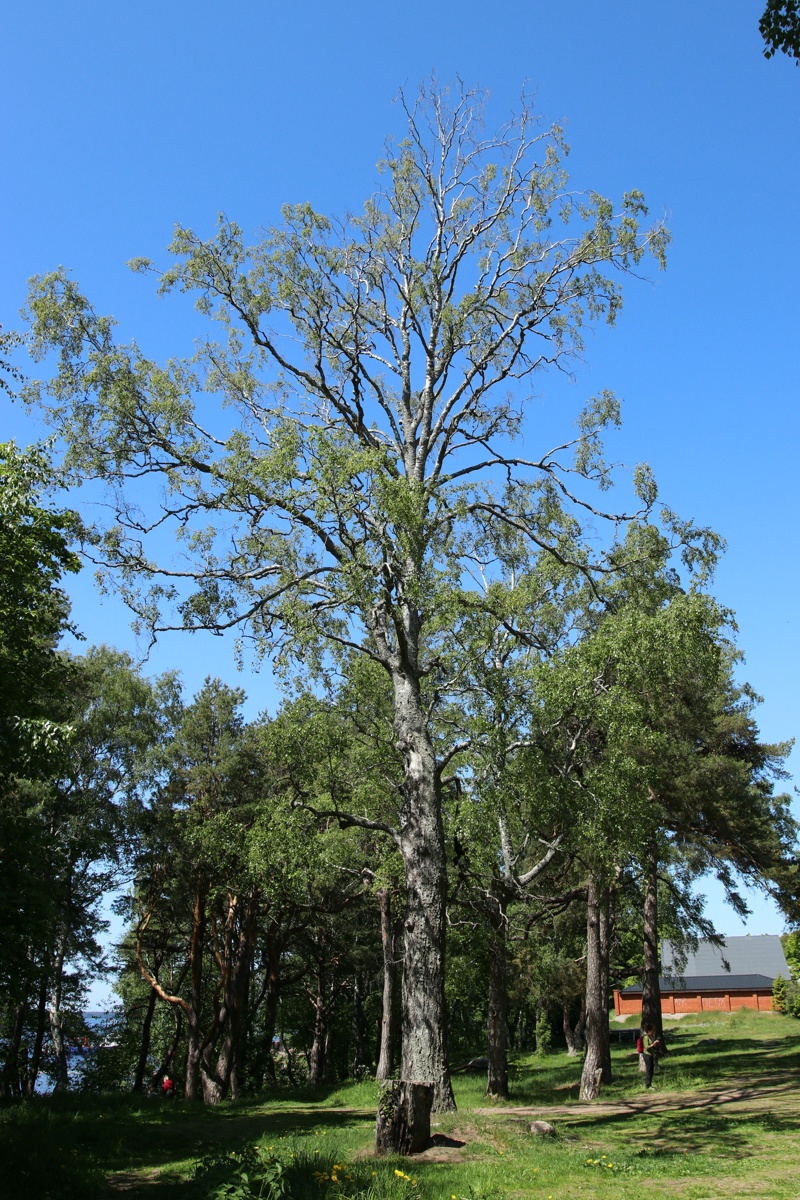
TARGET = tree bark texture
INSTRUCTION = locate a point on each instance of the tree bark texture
(651, 987)
(422, 848)
(597, 1039)
(403, 1124)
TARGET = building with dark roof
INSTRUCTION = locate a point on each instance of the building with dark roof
(738, 974)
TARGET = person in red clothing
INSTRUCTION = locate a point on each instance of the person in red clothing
(167, 1088)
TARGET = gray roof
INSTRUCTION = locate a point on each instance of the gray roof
(707, 983)
(761, 954)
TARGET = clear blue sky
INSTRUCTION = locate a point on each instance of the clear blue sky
(120, 119)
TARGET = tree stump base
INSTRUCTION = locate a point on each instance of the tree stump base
(403, 1124)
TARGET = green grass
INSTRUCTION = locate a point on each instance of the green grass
(721, 1121)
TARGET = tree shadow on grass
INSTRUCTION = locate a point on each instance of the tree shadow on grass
(231, 1127)
(71, 1149)
(706, 1127)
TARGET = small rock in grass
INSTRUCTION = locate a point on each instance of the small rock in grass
(543, 1128)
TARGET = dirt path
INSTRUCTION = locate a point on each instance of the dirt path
(130, 1181)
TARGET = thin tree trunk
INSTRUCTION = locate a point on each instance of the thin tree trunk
(38, 1041)
(651, 987)
(329, 1072)
(569, 1031)
(360, 1058)
(607, 919)
(573, 1033)
(12, 1081)
(270, 1022)
(385, 1060)
(60, 1073)
(316, 1064)
(497, 1080)
(168, 1060)
(597, 1040)
(193, 1088)
(147, 1024)
(580, 1028)
(422, 847)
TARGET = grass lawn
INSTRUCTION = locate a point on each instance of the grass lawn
(722, 1120)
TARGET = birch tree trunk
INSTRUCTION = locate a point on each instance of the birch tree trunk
(36, 1054)
(60, 1072)
(497, 1081)
(385, 1057)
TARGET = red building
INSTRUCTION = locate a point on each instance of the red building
(739, 974)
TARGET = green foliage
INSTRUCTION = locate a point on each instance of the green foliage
(35, 552)
(248, 1174)
(265, 1172)
(34, 727)
(791, 950)
(786, 996)
(780, 28)
(779, 994)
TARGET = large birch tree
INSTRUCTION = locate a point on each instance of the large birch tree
(326, 459)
